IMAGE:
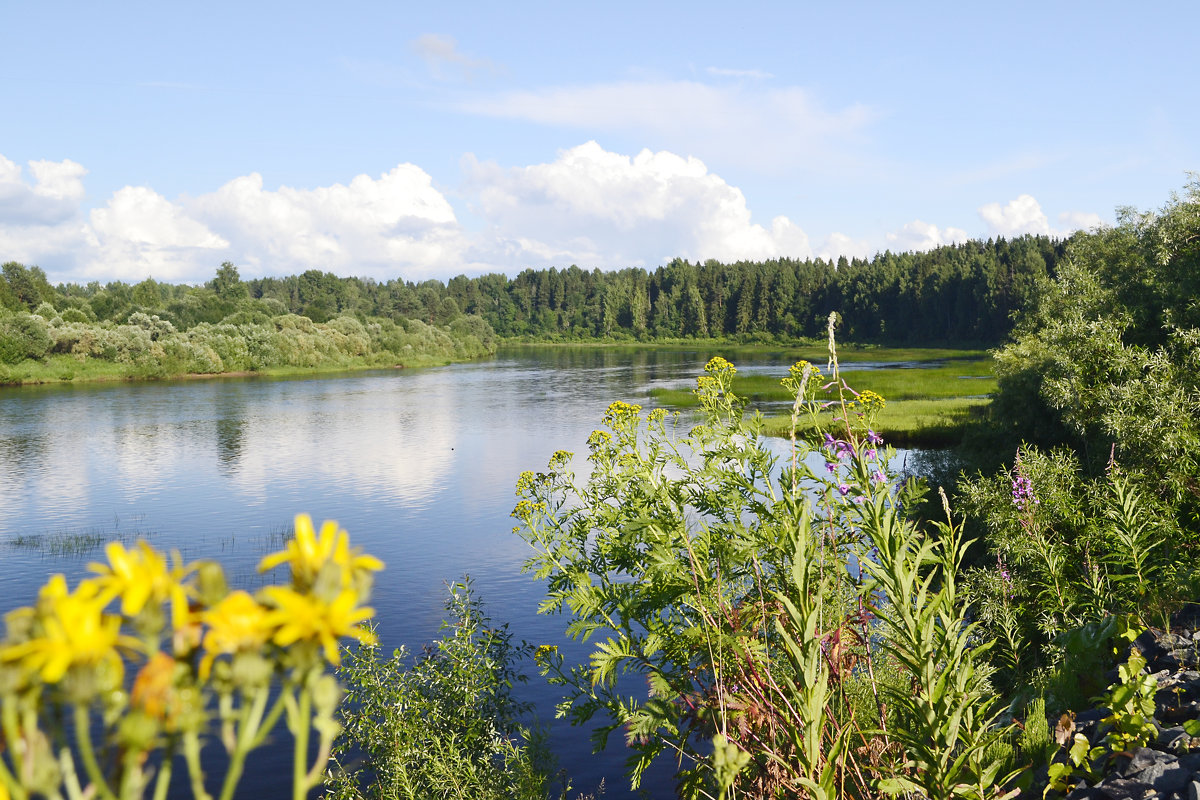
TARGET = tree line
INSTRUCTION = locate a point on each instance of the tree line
(955, 293)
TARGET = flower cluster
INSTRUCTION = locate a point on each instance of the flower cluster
(1023, 496)
(195, 638)
(718, 367)
(619, 411)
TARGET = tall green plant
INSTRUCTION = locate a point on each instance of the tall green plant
(787, 613)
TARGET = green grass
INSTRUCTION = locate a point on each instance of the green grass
(957, 380)
(926, 406)
(61, 368)
(908, 423)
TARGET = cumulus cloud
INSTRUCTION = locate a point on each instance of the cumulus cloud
(139, 232)
(599, 208)
(53, 197)
(1079, 220)
(839, 244)
(1024, 215)
(765, 128)
(919, 235)
(1019, 216)
(371, 226)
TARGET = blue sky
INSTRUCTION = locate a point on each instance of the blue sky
(395, 140)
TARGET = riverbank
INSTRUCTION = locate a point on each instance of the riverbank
(57, 369)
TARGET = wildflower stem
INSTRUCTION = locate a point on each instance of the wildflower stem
(303, 710)
(248, 731)
(83, 738)
(163, 780)
(191, 753)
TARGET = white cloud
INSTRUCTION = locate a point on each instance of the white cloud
(398, 223)
(443, 58)
(52, 198)
(1024, 215)
(1079, 220)
(139, 233)
(1019, 216)
(918, 235)
(598, 208)
(839, 244)
(765, 128)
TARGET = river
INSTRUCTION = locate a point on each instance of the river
(419, 465)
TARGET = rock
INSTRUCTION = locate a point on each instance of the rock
(1193, 790)
(1125, 789)
(1172, 740)
(1161, 770)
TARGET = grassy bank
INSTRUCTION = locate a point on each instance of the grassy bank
(927, 406)
(68, 369)
(46, 348)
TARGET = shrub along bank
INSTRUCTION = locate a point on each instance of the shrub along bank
(47, 346)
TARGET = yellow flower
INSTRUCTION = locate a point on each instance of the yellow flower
(140, 576)
(236, 624)
(305, 617)
(308, 552)
(70, 629)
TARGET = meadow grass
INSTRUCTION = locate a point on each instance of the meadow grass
(905, 423)
(961, 379)
(62, 368)
(927, 406)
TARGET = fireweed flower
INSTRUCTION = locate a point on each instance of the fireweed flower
(307, 618)
(1023, 496)
(70, 629)
(874, 438)
(830, 442)
(844, 489)
(878, 476)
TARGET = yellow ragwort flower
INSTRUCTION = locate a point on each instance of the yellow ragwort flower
(140, 576)
(308, 552)
(70, 629)
(305, 617)
(236, 624)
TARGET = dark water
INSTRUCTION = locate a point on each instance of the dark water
(419, 466)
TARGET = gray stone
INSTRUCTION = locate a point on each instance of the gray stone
(1126, 789)
(1161, 770)
(1173, 740)
(1193, 790)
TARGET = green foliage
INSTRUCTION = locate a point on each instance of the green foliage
(443, 725)
(799, 622)
(23, 336)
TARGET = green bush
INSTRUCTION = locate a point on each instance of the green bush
(23, 336)
(442, 725)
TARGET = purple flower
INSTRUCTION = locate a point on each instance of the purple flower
(844, 489)
(829, 441)
(844, 449)
(1022, 493)
(870, 453)
(831, 467)
(878, 476)
(874, 438)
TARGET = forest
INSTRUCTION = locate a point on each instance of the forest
(959, 295)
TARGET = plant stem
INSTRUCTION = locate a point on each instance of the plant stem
(83, 738)
(300, 753)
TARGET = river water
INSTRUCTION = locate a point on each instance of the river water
(418, 465)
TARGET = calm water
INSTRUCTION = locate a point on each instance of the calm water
(419, 466)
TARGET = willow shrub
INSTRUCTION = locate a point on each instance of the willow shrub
(772, 625)
(442, 724)
(205, 661)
